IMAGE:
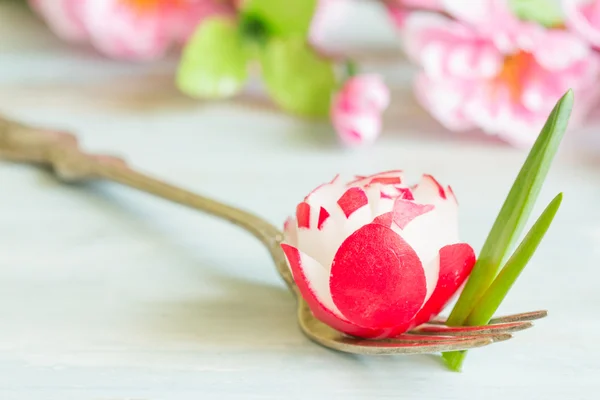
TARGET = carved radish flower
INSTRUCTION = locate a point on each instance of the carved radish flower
(374, 257)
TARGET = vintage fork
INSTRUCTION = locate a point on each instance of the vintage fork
(23, 143)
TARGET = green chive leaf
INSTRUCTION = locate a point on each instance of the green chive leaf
(489, 303)
(513, 215)
(487, 306)
(515, 211)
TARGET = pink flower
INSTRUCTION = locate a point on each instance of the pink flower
(583, 17)
(356, 110)
(496, 72)
(374, 257)
(418, 4)
(398, 10)
(128, 29)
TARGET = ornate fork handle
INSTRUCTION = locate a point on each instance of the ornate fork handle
(61, 151)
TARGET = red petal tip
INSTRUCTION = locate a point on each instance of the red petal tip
(441, 190)
(323, 215)
(303, 215)
(353, 199)
(449, 189)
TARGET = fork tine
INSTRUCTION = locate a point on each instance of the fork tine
(528, 316)
(473, 330)
(416, 338)
(522, 317)
(361, 346)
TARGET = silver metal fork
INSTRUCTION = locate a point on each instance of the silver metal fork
(60, 151)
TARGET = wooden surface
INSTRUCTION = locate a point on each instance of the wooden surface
(110, 294)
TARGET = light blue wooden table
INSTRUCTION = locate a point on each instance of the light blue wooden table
(110, 294)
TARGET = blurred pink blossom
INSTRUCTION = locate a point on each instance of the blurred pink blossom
(496, 72)
(493, 19)
(583, 17)
(127, 29)
(357, 108)
(417, 4)
(145, 29)
(398, 10)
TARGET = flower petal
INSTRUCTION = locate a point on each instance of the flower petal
(185, 18)
(323, 215)
(445, 99)
(353, 199)
(449, 49)
(405, 211)
(456, 264)
(315, 197)
(451, 194)
(377, 279)
(430, 231)
(311, 277)
(312, 281)
(385, 219)
(583, 17)
(387, 177)
(324, 236)
(558, 50)
(437, 228)
(474, 12)
(120, 30)
(429, 190)
(63, 16)
(290, 231)
(303, 215)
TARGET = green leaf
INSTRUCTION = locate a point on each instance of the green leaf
(282, 17)
(297, 79)
(544, 12)
(214, 62)
(454, 359)
(489, 303)
(516, 209)
(514, 213)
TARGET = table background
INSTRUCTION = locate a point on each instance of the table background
(106, 293)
